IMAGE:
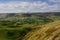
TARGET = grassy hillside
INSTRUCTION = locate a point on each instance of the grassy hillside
(16, 26)
(49, 31)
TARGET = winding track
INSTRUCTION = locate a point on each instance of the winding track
(49, 31)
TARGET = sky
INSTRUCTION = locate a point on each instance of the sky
(17, 6)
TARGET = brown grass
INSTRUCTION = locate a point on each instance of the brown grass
(49, 31)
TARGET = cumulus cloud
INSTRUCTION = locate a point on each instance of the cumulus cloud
(22, 6)
(56, 1)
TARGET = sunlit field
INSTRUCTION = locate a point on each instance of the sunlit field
(29, 27)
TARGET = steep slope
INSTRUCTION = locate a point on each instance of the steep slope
(49, 31)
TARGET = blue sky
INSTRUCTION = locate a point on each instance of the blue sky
(16, 6)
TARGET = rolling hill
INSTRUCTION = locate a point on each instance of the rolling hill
(30, 26)
(49, 31)
(29, 14)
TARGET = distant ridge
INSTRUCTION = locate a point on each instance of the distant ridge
(27, 14)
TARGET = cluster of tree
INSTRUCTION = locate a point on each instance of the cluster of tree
(26, 20)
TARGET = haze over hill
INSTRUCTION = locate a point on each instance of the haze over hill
(29, 14)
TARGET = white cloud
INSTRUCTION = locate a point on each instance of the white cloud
(55, 1)
(28, 7)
